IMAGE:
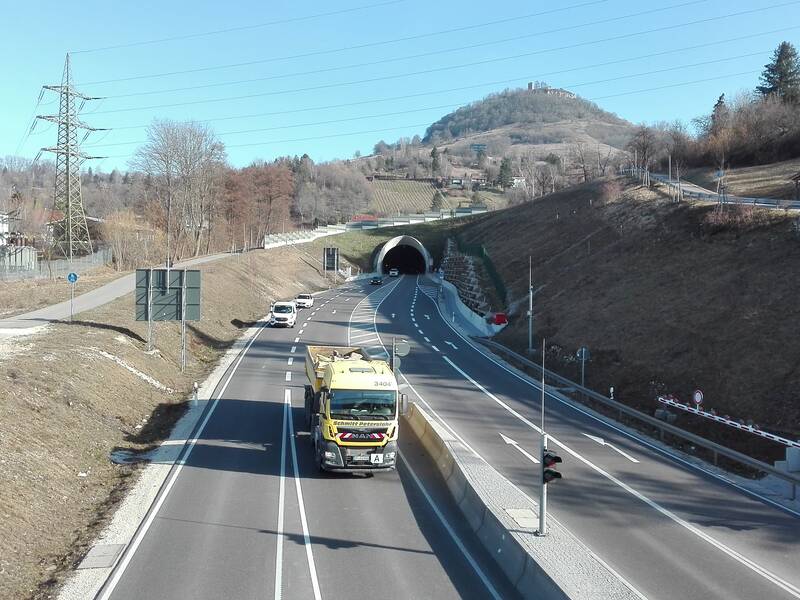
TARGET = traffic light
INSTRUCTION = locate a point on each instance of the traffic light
(549, 459)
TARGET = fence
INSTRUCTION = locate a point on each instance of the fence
(52, 269)
(711, 196)
(717, 450)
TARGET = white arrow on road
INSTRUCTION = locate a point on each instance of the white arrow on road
(428, 317)
(452, 344)
(524, 452)
(393, 315)
(602, 442)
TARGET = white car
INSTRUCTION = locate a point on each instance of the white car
(304, 300)
(394, 272)
(283, 314)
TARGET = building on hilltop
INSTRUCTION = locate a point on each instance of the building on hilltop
(540, 87)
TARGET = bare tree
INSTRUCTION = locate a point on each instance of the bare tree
(579, 153)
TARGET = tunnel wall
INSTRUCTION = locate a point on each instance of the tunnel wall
(403, 240)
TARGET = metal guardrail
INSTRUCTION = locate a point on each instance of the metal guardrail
(776, 203)
(661, 426)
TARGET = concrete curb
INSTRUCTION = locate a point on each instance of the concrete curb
(555, 567)
(86, 583)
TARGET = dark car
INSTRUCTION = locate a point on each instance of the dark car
(376, 281)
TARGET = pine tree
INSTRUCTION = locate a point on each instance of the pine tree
(720, 116)
(781, 77)
(506, 177)
(435, 163)
(438, 201)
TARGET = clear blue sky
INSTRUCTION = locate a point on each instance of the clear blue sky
(37, 34)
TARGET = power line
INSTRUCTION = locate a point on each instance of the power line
(403, 127)
(546, 74)
(450, 105)
(240, 28)
(329, 51)
(438, 69)
(421, 55)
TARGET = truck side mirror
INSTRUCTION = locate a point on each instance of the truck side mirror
(403, 404)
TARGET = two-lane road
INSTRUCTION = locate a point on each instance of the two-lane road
(248, 516)
(668, 529)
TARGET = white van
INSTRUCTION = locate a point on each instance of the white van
(283, 314)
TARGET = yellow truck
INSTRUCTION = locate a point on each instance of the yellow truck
(352, 408)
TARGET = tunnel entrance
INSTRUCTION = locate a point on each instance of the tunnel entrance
(406, 259)
(404, 253)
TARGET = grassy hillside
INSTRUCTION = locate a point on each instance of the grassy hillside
(770, 181)
(665, 299)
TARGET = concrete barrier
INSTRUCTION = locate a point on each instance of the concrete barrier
(555, 567)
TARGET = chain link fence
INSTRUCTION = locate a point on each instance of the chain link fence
(18, 263)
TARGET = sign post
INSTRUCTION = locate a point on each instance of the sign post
(72, 278)
(583, 356)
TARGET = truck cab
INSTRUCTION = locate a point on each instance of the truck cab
(352, 410)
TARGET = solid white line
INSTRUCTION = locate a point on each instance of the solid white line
(312, 569)
(293, 350)
(109, 586)
(756, 568)
(451, 532)
(290, 361)
(605, 423)
(288, 375)
(281, 501)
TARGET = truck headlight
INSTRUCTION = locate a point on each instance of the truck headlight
(329, 455)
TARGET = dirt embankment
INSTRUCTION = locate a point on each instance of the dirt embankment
(67, 403)
(666, 298)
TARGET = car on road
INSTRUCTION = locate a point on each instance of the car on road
(376, 281)
(394, 272)
(304, 300)
(283, 314)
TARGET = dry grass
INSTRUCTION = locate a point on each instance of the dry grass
(65, 407)
(17, 297)
(767, 181)
(663, 300)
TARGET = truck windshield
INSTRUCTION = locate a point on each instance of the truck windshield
(282, 309)
(362, 404)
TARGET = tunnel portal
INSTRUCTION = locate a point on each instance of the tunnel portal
(406, 254)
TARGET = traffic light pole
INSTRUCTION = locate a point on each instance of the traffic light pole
(543, 484)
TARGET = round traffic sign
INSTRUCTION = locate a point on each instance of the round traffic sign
(583, 353)
(697, 396)
(402, 348)
(72, 277)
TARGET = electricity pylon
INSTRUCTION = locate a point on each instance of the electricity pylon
(70, 234)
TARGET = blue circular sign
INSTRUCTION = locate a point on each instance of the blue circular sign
(72, 277)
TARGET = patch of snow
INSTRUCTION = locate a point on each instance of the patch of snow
(143, 376)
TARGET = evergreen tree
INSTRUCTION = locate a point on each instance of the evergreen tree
(435, 162)
(781, 77)
(437, 203)
(506, 177)
(720, 116)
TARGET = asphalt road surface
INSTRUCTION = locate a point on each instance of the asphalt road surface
(249, 515)
(668, 529)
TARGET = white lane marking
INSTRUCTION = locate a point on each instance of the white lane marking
(521, 450)
(435, 348)
(288, 375)
(293, 350)
(427, 340)
(753, 566)
(428, 317)
(301, 332)
(312, 569)
(281, 501)
(420, 331)
(602, 442)
(451, 532)
(109, 586)
(290, 361)
(347, 299)
(393, 315)
(449, 343)
(333, 312)
(297, 339)
(640, 440)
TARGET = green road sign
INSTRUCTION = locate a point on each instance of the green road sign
(166, 296)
